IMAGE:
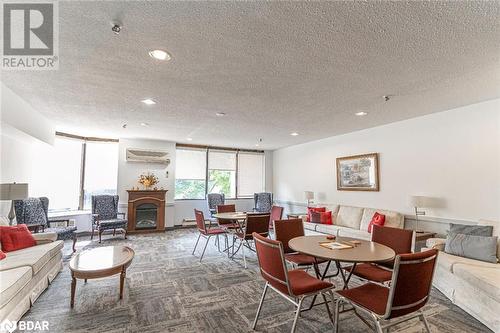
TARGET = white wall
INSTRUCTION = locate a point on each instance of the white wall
(128, 173)
(453, 155)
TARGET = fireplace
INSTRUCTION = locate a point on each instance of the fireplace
(146, 211)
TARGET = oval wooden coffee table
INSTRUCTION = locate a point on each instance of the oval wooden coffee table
(98, 263)
(362, 252)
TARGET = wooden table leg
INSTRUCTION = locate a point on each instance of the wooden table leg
(73, 288)
(122, 281)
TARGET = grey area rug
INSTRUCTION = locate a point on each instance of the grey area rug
(168, 290)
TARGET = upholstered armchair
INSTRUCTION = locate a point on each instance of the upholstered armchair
(213, 200)
(263, 202)
(34, 213)
(105, 215)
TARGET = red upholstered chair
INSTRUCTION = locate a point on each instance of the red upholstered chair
(410, 288)
(294, 285)
(284, 231)
(400, 240)
(227, 224)
(276, 214)
(255, 223)
(206, 233)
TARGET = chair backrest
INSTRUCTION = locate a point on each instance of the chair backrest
(200, 221)
(285, 230)
(263, 201)
(215, 199)
(272, 263)
(276, 214)
(411, 282)
(105, 205)
(400, 240)
(258, 224)
(32, 211)
(226, 208)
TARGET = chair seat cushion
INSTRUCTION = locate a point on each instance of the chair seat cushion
(302, 283)
(112, 224)
(370, 296)
(63, 233)
(371, 272)
(302, 259)
(215, 231)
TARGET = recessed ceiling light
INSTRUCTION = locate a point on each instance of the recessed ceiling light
(189, 139)
(145, 124)
(256, 145)
(220, 114)
(160, 55)
(148, 101)
(361, 113)
(294, 134)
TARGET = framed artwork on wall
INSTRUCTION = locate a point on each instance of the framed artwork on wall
(358, 173)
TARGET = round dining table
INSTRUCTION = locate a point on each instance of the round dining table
(238, 216)
(359, 251)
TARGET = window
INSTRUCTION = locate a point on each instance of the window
(190, 173)
(251, 170)
(237, 174)
(101, 170)
(222, 173)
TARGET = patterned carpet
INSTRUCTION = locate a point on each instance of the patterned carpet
(168, 290)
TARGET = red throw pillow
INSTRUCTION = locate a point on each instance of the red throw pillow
(321, 217)
(16, 237)
(378, 219)
(314, 209)
(2, 255)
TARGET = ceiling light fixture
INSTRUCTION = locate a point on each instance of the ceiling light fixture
(220, 114)
(361, 113)
(148, 101)
(386, 98)
(256, 145)
(294, 134)
(145, 124)
(160, 55)
(189, 139)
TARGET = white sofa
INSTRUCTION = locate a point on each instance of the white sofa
(471, 284)
(349, 221)
(26, 273)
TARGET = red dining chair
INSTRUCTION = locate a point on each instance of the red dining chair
(204, 232)
(294, 285)
(227, 224)
(400, 240)
(276, 214)
(411, 284)
(254, 224)
(284, 231)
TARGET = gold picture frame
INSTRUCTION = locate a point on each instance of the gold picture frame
(358, 173)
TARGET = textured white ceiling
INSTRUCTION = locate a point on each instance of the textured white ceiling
(272, 67)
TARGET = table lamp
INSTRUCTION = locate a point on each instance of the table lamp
(309, 195)
(13, 191)
(419, 201)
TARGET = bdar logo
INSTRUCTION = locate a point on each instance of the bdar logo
(8, 326)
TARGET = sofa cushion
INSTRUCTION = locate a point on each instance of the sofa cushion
(473, 247)
(350, 217)
(496, 232)
(35, 257)
(483, 278)
(449, 261)
(475, 230)
(309, 226)
(12, 281)
(392, 219)
(377, 219)
(16, 238)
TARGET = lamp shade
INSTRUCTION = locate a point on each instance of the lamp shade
(420, 201)
(13, 191)
(309, 195)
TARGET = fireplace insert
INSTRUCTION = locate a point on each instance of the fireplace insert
(146, 216)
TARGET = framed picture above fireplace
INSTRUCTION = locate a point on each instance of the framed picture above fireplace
(358, 173)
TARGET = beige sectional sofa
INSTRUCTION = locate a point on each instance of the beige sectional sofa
(471, 284)
(26, 273)
(350, 221)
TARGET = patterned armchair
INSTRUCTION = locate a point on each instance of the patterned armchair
(263, 202)
(213, 200)
(105, 215)
(34, 213)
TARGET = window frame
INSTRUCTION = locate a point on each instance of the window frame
(237, 152)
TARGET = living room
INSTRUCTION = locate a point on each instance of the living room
(173, 149)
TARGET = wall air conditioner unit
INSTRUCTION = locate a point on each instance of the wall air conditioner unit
(147, 156)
